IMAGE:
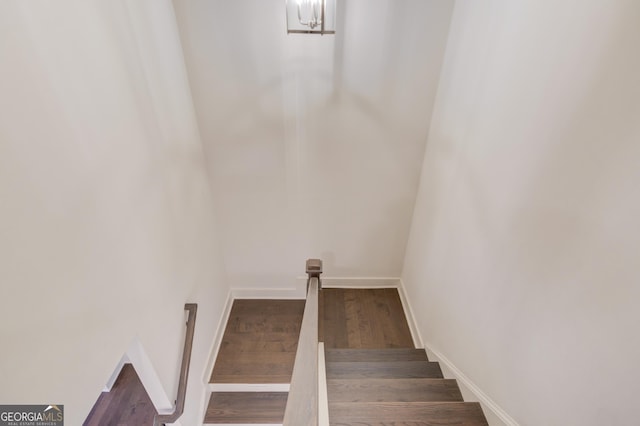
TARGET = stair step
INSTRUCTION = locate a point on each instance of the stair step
(384, 370)
(395, 354)
(393, 390)
(397, 413)
(246, 408)
(254, 367)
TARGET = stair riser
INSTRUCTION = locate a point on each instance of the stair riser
(382, 355)
(383, 370)
(419, 413)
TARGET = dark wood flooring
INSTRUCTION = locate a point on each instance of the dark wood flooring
(246, 407)
(258, 347)
(127, 404)
(259, 343)
(363, 319)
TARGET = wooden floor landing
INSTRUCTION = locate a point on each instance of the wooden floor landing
(259, 343)
(363, 319)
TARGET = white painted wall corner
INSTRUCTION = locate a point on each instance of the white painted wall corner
(149, 378)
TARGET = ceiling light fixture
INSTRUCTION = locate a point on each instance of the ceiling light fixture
(311, 16)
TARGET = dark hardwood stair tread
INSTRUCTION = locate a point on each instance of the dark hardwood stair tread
(254, 367)
(393, 390)
(246, 407)
(252, 379)
(383, 370)
(262, 357)
(363, 355)
(410, 413)
(268, 341)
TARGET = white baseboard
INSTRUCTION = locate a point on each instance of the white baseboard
(268, 293)
(465, 382)
(249, 387)
(217, 340)
(411, 318)
(327, 282)
(357, 282)
(140, 361)
(116, 372)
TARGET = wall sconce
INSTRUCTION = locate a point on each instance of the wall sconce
(311, 16)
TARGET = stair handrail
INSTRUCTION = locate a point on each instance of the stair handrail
(302, 403)
(161, 419)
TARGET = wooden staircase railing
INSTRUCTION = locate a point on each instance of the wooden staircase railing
(161, 419)
(302, 403)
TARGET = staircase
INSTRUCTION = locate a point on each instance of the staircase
(368, 387)
(374, 375)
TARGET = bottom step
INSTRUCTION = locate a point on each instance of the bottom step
(414, 413)
(246, 408)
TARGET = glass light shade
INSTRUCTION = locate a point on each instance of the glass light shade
(311, 16)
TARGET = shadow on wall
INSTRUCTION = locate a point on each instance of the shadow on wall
(321, 76)
(528, 210)
(583, 171)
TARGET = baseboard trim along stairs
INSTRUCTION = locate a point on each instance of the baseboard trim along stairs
(496, 413)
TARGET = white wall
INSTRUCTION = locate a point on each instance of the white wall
(315, 143)
(106, 223)
(522, 263)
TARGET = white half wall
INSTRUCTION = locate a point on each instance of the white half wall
(106, 215)
(315, 143)
(523, 251)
